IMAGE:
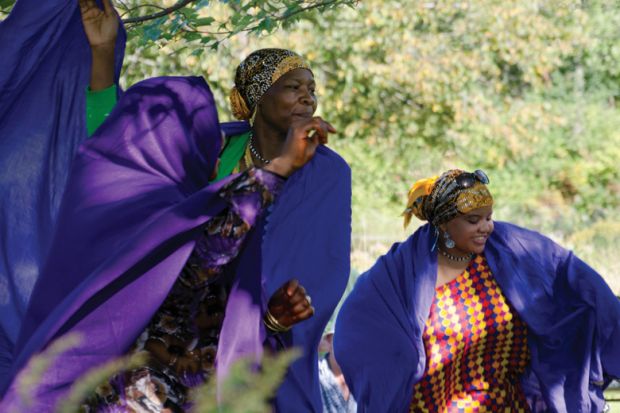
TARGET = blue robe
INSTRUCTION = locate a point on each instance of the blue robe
(43, 78)
(573, 320)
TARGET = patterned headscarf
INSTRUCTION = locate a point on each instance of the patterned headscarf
(256, 74)
(440, 199)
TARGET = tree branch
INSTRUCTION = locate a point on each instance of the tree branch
(183, 3)
(159, 14)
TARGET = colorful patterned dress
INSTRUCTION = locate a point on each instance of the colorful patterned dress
(476, 348)
(189, 320)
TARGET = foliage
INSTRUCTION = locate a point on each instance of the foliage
(158, 22)
(525, 90)
(193, 22)
(246, 389)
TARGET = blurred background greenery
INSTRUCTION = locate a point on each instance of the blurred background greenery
(526, 90)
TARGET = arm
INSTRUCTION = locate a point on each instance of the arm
(101, 28)
(99, 104)
(172, 331)
(247, 196)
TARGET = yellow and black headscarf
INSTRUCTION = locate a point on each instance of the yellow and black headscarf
(441, 198)
(256, 74)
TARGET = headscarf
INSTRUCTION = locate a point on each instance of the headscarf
(440, 199)
(256, 74)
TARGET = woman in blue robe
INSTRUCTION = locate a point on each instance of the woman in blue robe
(474, 313)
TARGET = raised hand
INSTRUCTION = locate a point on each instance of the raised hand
(303, 138)
(101, 26)
(290, 305)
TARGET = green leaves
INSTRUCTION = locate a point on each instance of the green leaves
(247, 388)
(213, 22)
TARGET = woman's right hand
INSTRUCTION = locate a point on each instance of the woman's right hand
(290, 304)
(100, 26)
(302, 140)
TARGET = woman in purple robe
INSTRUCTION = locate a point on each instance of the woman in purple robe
(471, 314)
(151, 254)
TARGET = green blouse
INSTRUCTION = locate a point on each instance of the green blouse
(99, 104)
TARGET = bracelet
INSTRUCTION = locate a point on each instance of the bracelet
(273, 324)
(160, 339)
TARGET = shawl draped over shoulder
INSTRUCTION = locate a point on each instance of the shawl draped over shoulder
(137, 194)
(572, 316)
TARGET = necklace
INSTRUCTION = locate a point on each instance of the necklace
(455, 257)
(255, 151)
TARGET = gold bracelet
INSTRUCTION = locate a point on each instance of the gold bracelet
(273, 324)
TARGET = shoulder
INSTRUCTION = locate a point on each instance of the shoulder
(235, 129)
(331, 158)
(507, 230)
(524, 241)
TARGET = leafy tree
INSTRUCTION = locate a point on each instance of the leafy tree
(524, 89)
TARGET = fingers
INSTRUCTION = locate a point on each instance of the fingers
(315, 126)
(290, 287)
(86, 5)
(83, 4)
(321, 130)
(305, 314)
(291, 304)
(108, 7)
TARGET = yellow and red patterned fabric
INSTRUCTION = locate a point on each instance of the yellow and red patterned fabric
(476, 348)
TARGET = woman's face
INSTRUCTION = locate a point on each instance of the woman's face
(290, 98)
(471, 231)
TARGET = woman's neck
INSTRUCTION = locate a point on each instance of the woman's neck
(268, 141)
(448, 270)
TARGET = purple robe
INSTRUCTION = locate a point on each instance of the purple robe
(573, 320)
(137, 196)
(130, 216)
(43, 76)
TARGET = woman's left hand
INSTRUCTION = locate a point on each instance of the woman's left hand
(290, 304)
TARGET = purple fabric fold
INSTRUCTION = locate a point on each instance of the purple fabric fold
(137, 195)
(572, 316)
(132, 211)
(44, 73)
(136, 199)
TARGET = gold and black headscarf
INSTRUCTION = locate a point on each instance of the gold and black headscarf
(441, 198)
(256, 74)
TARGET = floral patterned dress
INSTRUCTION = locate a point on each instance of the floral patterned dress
(189, 321)
(476, 348)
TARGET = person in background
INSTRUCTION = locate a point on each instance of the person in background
(335, 393)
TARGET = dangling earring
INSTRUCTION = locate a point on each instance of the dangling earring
(447, 241)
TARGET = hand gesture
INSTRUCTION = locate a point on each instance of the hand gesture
(303, 138)
(290, 304)
(101, 26)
